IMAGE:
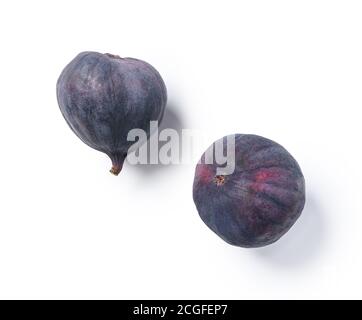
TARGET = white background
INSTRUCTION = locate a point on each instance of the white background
(287, 70)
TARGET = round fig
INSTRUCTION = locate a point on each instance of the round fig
(257, 203)
(103, 96)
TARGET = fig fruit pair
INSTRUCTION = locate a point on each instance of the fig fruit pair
(103, 96)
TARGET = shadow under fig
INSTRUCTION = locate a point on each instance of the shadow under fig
(302, 243)
(171, 120)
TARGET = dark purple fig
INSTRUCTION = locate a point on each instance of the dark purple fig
(103, 96)
(256, 204)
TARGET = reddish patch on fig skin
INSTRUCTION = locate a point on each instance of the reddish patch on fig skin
(204, 173)
(262, 176)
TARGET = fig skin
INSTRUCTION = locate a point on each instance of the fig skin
(103, 96)
(259, 202)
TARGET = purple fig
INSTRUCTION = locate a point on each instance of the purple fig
(103, 96)
(257, 203)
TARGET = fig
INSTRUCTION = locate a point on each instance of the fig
(259, 201)
(103, 96)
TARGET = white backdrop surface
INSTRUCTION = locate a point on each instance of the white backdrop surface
(287, 70)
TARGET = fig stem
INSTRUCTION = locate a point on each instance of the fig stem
(115, 170)
(117, 163)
